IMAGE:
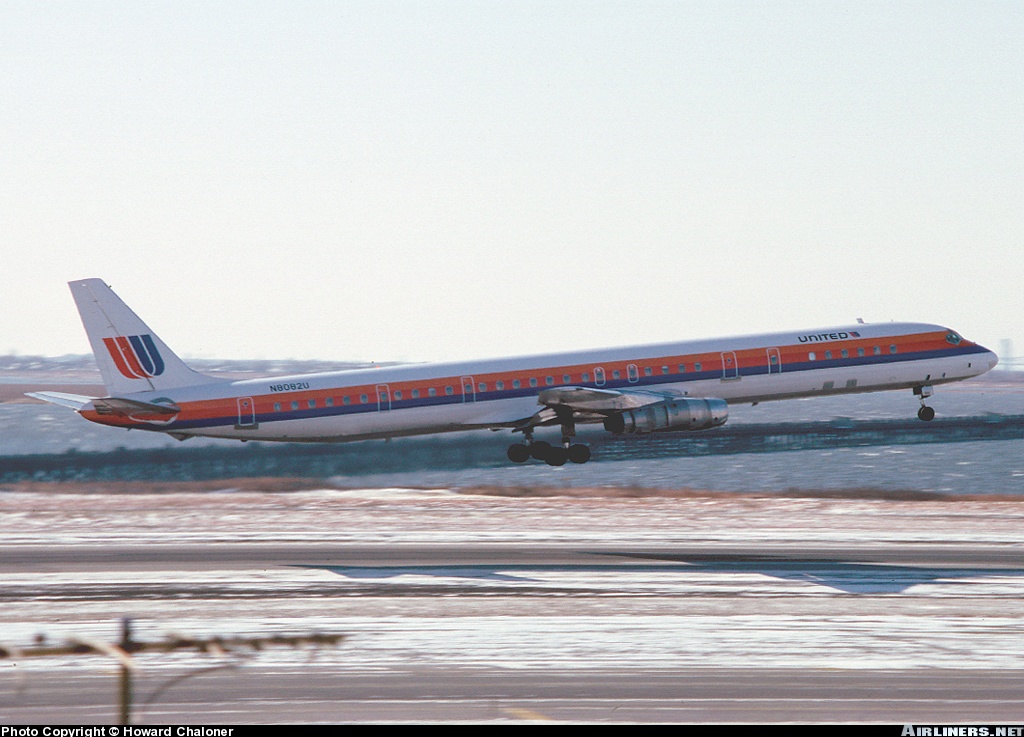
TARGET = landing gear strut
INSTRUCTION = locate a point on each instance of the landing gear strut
(926, 413)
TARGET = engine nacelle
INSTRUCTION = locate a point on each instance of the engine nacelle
(677, 414)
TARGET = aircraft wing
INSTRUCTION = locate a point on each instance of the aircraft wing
(599, 401)
(584, 404)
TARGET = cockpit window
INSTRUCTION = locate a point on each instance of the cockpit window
(953, 339)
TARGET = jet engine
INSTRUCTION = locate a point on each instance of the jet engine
(677, 414)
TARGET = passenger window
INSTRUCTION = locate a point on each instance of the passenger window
(277, 406)
(449, 390)
(696, 367)
(330, 401)
(533, 381)
(664, 370)
(362, 398)
(311, 403)
(295, 405)
(415, 393)
(648, 371)
(812, 356)
(499, 385)
(431, 392)
(616, 374)
(845, 353)
(892, 348)
(550, 381)
(878, 350)
(346, 400)
(682, 368)
(585, 378)
(516, 383)
(481, 387)
(566, 379)
(398, 395)
(828, 355)
(860, 351)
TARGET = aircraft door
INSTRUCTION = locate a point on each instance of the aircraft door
(383, 398)
(774, 361)
(730, 367)
(246, 414)
(468, 390)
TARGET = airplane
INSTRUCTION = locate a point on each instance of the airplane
(683, 386)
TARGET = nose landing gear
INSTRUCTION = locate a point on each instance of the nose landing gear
(926, 413)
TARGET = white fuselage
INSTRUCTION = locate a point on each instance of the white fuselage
(430, 398)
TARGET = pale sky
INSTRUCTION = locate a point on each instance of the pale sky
(446, 180)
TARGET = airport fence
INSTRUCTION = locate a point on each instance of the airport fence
(484, 450)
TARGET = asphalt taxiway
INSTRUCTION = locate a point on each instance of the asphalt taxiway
(455, 607)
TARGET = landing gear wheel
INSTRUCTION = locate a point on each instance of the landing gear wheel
(926, 414)
(519, 453)
(540, 450)
(556, 456)
(579, 453)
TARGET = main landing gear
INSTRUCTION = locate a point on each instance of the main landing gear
(553, 455)
(926, 413)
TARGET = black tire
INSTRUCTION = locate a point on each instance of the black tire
(556, 456)
(926, 414)
(519, 453)
(540, 450)
(579, 453)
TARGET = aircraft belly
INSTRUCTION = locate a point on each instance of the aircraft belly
(396, 421)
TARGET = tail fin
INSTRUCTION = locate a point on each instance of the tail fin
(130, 356)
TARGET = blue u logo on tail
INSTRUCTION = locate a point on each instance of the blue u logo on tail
(135, 356)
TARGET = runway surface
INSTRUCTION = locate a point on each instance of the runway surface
(455, 607)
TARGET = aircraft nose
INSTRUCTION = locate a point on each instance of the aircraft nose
(989, 359)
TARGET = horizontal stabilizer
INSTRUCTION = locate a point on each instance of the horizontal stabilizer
(108, 405)
(133, 407)
(74, 401)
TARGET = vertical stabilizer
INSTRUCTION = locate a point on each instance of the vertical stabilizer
(131, 357)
